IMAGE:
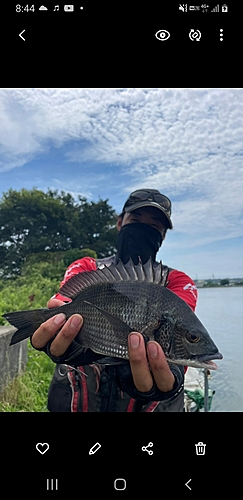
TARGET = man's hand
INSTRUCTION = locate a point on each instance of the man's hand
(48, 329)
(146, 359)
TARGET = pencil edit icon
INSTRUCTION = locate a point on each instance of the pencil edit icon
(94, 448)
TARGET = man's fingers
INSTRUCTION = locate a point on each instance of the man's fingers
(66, 335)
(138, 361)
(54, 303)
(48, 329)
(148, 365)
(162, 374)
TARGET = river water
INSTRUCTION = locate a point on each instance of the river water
(221, 312)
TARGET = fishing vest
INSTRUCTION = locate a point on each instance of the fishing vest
(89, 388)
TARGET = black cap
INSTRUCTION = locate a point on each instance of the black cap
(149, 198)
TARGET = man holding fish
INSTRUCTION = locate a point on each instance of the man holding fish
(97, 378)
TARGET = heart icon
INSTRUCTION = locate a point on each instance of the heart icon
(42, 447)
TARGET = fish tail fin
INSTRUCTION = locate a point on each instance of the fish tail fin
(26, 323)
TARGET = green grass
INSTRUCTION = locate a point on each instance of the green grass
(28, 392)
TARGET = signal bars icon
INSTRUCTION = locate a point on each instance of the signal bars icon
(215, 9)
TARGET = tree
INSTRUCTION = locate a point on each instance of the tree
(75, 253)
(33, 222)
(98, 223)
(224, 282)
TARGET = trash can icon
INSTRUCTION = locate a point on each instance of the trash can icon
(200, 448)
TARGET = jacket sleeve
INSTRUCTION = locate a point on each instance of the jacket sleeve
(183, 286)
(78, 266)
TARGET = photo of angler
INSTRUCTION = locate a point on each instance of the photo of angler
(119, 305)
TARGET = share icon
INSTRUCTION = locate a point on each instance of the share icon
(145, 448)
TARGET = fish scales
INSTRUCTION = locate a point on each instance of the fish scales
(117, 299)
(131, 303)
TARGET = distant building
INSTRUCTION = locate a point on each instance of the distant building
(235, 281)
(199, 283)
(218, 282)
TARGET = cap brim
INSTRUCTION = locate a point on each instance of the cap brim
(146, 203)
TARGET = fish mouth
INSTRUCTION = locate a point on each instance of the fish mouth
(209, 357)
(204, 361)
(207, 362)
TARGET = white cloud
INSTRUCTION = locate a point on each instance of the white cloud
(152, 124)
(185, 142)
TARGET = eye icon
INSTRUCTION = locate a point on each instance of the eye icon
(162, 35)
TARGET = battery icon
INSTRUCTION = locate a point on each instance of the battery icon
(69, 8)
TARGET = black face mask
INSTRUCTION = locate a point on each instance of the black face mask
(138, 240)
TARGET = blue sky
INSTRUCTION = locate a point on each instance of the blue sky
(104, 143)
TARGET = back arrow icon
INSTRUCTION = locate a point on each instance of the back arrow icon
(187, 484)
(20, 34)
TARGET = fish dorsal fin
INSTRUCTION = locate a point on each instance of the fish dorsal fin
(113, 273)
(149, 271)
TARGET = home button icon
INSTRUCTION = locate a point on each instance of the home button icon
(120, 484)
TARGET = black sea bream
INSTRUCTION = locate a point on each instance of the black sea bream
(117, 300)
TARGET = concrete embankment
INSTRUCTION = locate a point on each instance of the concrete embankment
(13, 358)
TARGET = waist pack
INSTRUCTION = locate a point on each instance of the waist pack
(90, 389)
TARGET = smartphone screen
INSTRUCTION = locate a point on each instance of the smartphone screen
(99, 99)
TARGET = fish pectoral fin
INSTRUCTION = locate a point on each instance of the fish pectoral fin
(116, 322)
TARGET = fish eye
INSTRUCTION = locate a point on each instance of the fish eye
(191, 337)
